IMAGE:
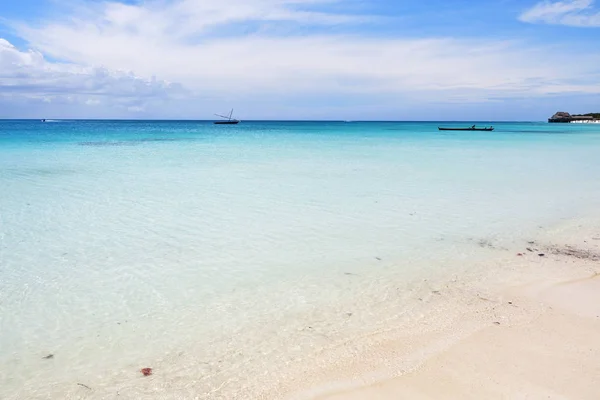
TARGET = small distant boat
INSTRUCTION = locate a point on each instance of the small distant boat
(227, 119)
(43, 120)
(471, 128)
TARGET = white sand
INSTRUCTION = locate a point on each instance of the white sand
(527, 331)
(553, 356)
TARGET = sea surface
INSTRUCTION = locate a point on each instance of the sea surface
(212, 252)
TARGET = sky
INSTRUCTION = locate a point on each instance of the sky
(299, 59)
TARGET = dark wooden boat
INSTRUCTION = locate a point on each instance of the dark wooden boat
(228, 120)
(471, 128)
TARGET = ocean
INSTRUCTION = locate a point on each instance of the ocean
(218, 253)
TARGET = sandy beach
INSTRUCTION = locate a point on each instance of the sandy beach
(536, 335)
(526, 327)
(554, 355)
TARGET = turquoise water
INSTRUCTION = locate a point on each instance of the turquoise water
(125, 243)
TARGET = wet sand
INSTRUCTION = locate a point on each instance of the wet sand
(529, 330)
(554, 355)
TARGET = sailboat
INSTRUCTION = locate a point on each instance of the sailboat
(228, 120)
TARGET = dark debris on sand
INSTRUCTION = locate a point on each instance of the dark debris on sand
(572, 251)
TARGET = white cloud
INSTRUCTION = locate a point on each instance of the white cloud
(579, 13)
(27, 74)
(285, 50)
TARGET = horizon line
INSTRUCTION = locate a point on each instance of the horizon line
(256, 120)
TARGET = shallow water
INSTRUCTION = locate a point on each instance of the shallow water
(126, 243)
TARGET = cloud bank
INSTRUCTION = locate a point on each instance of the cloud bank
(288, 52)
(27, 75)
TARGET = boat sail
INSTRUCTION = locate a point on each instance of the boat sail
(227, 119)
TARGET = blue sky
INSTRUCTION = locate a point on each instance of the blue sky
(299, 59)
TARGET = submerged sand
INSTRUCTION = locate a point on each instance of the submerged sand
(526, 325)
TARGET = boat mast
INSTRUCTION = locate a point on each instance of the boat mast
(227, 117)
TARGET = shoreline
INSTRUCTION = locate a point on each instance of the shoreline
(532, 329)
(553, 355)
(428, 325)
